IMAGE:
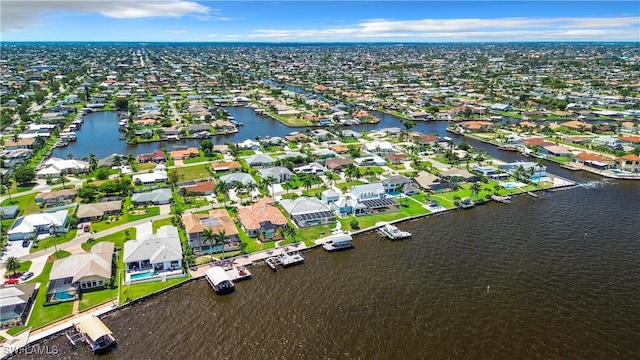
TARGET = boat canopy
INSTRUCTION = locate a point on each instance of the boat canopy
(93, 328)
(217, 275)
(341, 238)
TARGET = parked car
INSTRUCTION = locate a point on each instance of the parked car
(11, 281)
(86, 228)
(25, 243)
(26, 276)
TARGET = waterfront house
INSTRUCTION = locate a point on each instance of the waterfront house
(298, 137)
(281, 174)
(184, 154)
(477, 126)
(36, 225)
(249, 145)
(368, 191)
(555, 150)
(539, 171)
(231, 166)
(238, 178)
(155, 197)
(80, 272)
(15, 303)
(347, 205)
(55, 166)
(424, 139)
(154, 177)
(490, 172)
(160, 252)
(259, 160)
(263, 219)
(594, 160)
(217, 220)
(31, 143)
(629, 162)
(328, 196)
(55, 198)
(308, 211)
(459, 175)
(157, 156)
(97, 211)
(430, 182)
(394, 184)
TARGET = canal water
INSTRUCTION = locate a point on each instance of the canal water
(99, 134)
(553, 277)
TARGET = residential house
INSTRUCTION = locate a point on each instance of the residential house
(15, 303)
(36, 225)
(374, 197)
(55, 198)
(370, 161)
(396, 158)
(14, 158)
(157, 156)
(594, 160)
(154, 177)
(231, 166)
(431, 182)
(238, 178)
(490, 172)
(155, 197)
(459, 175)
(424, 139)
(201, 188)
(337, 164)
(217, 220)
(368, 191)
(328, 196)
(263, 219)
(539, 171)
(477, 126)
(629, 162)
(160, 252)
(311, 168)
(184, 154)
(308, 211)
(79, 272)
(259, 160)
(31, 143)
(378, 147)
(281, 174)
(9, 211)
(394, 184)
(556, 150)
(55, 166)
(97, 211)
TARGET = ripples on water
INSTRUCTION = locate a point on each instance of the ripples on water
(519, 281)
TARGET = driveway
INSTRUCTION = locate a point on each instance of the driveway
(144, 230)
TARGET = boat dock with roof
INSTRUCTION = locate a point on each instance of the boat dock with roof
(219, 280)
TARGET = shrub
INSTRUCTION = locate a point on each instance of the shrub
(354, 224)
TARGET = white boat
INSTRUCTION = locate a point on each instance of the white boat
(94, 332)
(287, 260)
(393, 233)
(219, 280)
(338, 242)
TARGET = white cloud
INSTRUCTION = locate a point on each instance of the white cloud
(21, 14)
(500, 29)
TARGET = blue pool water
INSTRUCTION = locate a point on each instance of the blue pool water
(141, 275)
(63, 296)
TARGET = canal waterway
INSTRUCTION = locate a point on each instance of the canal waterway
(553, 277)
(99, 134)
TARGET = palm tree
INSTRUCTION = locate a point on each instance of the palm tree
(307, 182)
(291, 231)
(269, 181)
(287, 186)
(351, 172)
(251, 187)
(208, 237)
(12, 264)
(130, 159)
(475, 189)
(62, 178)
(222, 188)
(331, 177)
(220, 238)
(70, 156)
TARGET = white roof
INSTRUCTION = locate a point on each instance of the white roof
(29, 222)
(217, 275)
(159, 247)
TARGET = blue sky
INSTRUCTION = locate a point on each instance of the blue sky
(319, 21)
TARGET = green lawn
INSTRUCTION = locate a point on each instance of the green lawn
(412, 209)
(192, 172)
(117, 238)
(43, 315)
(94, 298)
(54, 240)
(159, 223)
(314, 232)
(196, 159)
(144, 166)
(139, 290)
(348, 184)
(24, 266)
(26, 203)
(126, 217)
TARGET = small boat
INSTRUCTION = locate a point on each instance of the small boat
(219, 280)
(339, 242)
(288, 260)
(273, 262)
(393, 233)
(466, 203)
(94, 332)
(507, 148)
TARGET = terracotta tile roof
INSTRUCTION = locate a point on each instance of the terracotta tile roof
(631, 138)
(585, 156)
(396, 157)
(202, 187)
(537, 141)
(184, 153)
(630, 157)
(260, 212)
(193, 223)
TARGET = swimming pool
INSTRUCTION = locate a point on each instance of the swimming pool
(141, 275)
(62, 296)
